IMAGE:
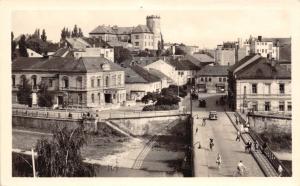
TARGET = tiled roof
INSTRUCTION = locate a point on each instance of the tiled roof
(200, 59)
(141, 29)
(213, 71)
(61, 64)
(102, 29)
(122, 30)
(137, 74)
(262, 69)
(240, 62)
(183, 64)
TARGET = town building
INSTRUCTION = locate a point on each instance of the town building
(138, 82)
(87, 82)
(212, 79)
(259, 84)
(200, 59)
(141, 37)
(226, 54)
(90, 47)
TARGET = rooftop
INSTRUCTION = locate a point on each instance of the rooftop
(137, 74)
(183, 64)
(213, 71)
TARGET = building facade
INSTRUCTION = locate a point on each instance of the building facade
(212, 79)
(260, 85)
(87, 82)
(141, 37)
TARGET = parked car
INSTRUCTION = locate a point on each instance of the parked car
(213, 115)
(202, 103)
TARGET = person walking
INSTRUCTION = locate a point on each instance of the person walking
(219, 160)
(203, 122)
(280, 170)
(211, 143)
(238, 136)
(241, 168)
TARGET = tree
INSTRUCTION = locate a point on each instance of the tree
(24, 92)
(121, 54)
(23, 47)
(63, 34)
(44, 96)
(43, 36)
(179, 51)
(60, 156)
(80, 34)
(75, 31)
(68, 34)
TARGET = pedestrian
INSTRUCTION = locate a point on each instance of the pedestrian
(203, 122)
(219, 160)
(238, 136)
(211, 144)
(256, 145)
(280, 170)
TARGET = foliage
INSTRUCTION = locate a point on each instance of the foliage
(13, 47)
(276, 139)
(60, 156)
(44, 96)
(43, 36)
(145, 53)
(173, 89)
(121, 54)
(23, 47)
(179, 51)
(24, 93)
(168, 100)
(150, 96)
(37, 45)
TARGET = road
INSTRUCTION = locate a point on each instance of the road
(224, 134)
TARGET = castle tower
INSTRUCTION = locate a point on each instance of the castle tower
(153, 23)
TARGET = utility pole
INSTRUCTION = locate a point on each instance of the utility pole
(191, 102)
(33, 163)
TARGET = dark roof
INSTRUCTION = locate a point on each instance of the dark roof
(141, 61)
(141, 29)
(263, 69)
(137, 74)
(200, 59)
(96, 42)
(240, 62)
(102, 29)
(122, 30)
(61, 64)
(183, 64)
(285, 53)
(213, 71)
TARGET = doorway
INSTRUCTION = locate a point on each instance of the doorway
(107, 98)
(60, 100)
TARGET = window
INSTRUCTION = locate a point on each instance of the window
(93, 98)
(254, 106)
(119, 79)
(23, 80)
(289, 106)
(80, 98)
(220, 79)
(281, 106)
(224, 79)
(205, 79)
(209, 79)
(254, 88)
(281, 88)
(13, 80)
(201, 79)
(145, 43)
(257, 51)
(267, 106)
(79, 82)
(92, 82)
(99, 97)
(98, 82)
(106, 81)
(262, 50)
(114, 80)
(136, 43)
(50, 84)
(106, 53)
(66, 82)
(33, 78)
(136, 36)
(268, 88)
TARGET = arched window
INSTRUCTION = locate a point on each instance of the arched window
(99, 81)
(13, 78)
(92, 81)
(22, 80)
(33, 80)
(93, 98)
(106, 81)
(245, 90)
(66, 82)
(79, 82)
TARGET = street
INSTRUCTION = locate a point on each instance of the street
(224, 135)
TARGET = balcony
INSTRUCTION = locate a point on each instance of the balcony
(73, 88)
(264, 96)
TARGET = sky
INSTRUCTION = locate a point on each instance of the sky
(205, 28)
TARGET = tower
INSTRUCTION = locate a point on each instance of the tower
(153, 23)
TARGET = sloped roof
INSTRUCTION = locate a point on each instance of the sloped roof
(96, 42)
(77, 42)
(61, 52)
(137, 74)
(200, 59)
(61, 64)
(240, 62)
(262, 69)
(183, 64)
(213, 71)
(141, 29)
(102, 29)
(122, 30)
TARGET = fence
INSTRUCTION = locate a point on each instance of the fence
(267, 151)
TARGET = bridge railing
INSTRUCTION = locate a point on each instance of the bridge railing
(267, 151)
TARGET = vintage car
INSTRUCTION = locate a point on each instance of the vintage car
(213, 115)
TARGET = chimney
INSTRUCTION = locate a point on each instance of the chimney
(259, 38)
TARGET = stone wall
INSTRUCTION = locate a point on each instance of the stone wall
(261, 123)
